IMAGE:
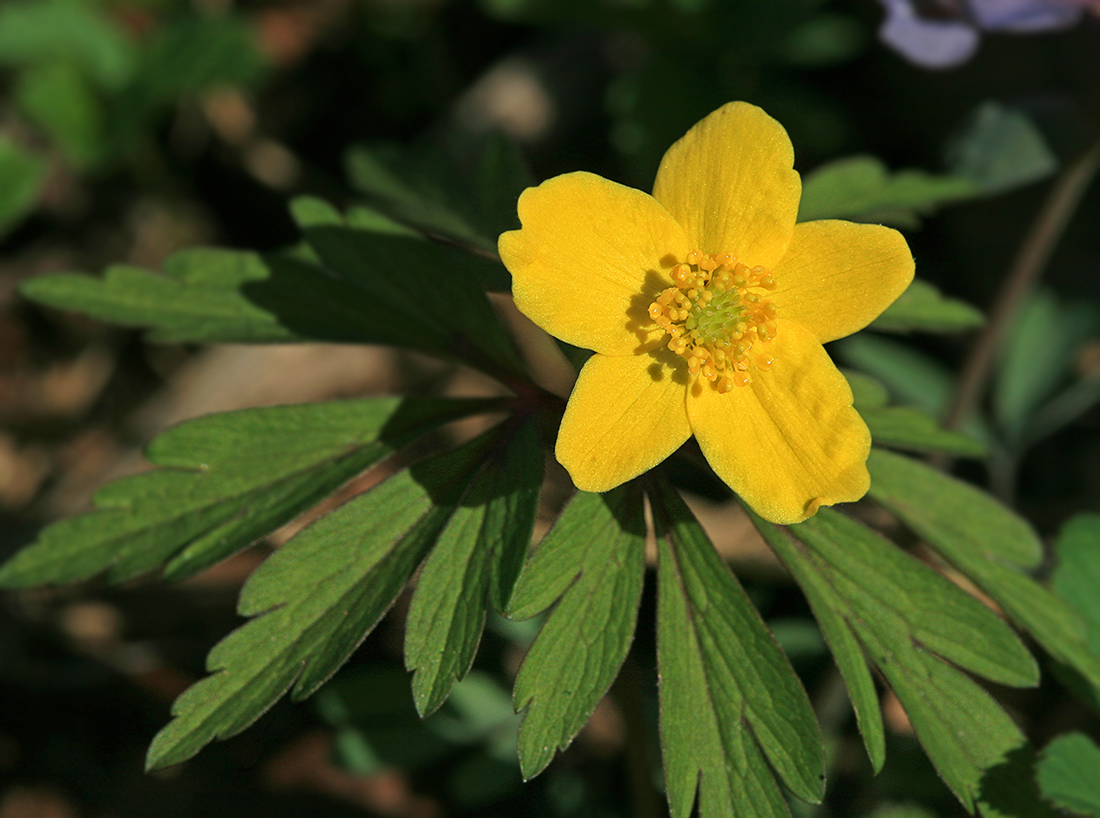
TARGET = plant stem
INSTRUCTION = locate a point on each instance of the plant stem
(1041, 239)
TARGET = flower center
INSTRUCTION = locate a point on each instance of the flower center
(716, 319)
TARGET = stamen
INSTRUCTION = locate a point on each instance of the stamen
(716, 319)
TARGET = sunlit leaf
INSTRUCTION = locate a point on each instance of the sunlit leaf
(224, 482)
(474, 565)
(592, 564)
(860, 188)
(905, 616)
(923, 307)
(316, 599)
(730, 703)
(986, 542)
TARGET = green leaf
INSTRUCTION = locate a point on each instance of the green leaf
(867, 392)
(188, 56)
(1075, 579)
(904, 615)
(316, 599)
(910, 376)
(902, 427)
(923, 307)
(1069, 774)
(447, 286)
(22, 175)
(473, 566)
(861, 188)
(429, 191)
(592, 563)
(77, 33)
(225, 481)
(999, 148)
(730, 702)
(60, 99)
(1076, 573)
(1061, 410)
(223, 296)
(1037, 355)
(986, 542)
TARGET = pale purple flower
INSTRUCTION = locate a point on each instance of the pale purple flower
(945, 33)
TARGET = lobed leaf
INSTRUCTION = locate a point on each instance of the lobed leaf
(730, 702)
(987, 543)
(429, 191)
(474, 565)
(904, 616)
(224, 482)
(923, 307)
(592, 563)
(317, 598)
(380, 289)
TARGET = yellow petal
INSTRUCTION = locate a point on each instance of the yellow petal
(730, 184)
(837, 277)
(791, 441)
(626, 415)
(589, 260)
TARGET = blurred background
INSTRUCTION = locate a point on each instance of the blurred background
(130, 129)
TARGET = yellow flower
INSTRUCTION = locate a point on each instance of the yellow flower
(707, 308)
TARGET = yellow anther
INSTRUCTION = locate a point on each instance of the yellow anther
(715, 319)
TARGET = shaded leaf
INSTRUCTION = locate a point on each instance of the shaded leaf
(223, 296)
(592, 563)
(316, 599)
(902, 427)
(1037, 356)
(1076, 574)
(999, 148)
(474, 565)
(225, 481)
(923, 307)
(420, 286)
(430, 191)
(22, 175)
(1069, 774)
(730, 702)
(910, 376)
(989, 544)
(860, 188)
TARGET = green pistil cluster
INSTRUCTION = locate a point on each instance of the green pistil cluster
(714, 318)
